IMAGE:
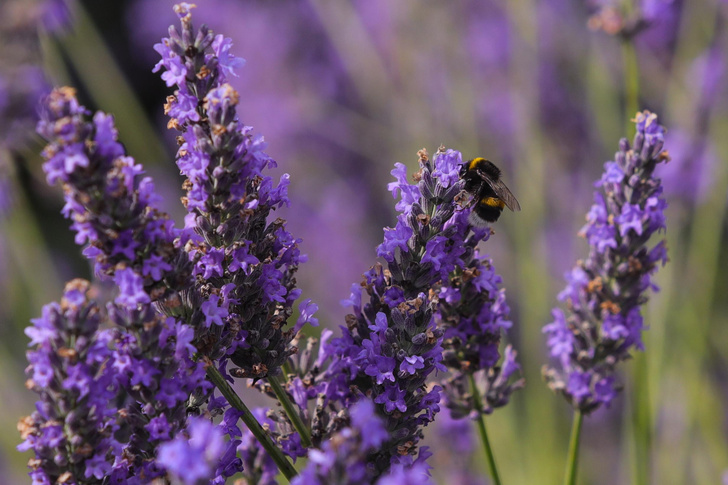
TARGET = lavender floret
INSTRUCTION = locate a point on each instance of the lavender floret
(602, 323)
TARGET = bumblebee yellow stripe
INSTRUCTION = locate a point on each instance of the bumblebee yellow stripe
(493, 202)
(475, 162)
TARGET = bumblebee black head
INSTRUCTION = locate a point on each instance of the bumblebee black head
(463, 169)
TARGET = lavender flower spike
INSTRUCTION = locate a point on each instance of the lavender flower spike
(112, 206)
(244, 263)
(391, 344)
(72, 429)
(602, 322)
(153, 364)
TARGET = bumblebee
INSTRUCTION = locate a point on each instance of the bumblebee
(489, 193)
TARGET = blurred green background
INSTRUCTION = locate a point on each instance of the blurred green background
(342, 90)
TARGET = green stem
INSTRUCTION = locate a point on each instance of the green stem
(290, 410)
(253, 425)
(286, 368)
(483, 432)
(641, 414)
(573, 459)
(631, 85)
(641, 417)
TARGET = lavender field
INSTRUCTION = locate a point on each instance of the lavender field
(249, 241)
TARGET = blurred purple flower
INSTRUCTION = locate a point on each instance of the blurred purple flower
(602, 323)
(692, 153)
(193, 457)
(56, 15)
(692, 162)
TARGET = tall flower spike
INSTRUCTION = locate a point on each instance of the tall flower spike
(602, 323)
(391, 344)
(72, 430)
(245, 263)
(112, 206)
(473, 313)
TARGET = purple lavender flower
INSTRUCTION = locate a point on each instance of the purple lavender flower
(418, 473)
(230, 198)
(112, 206)
(258, 466)
(72, 430)
(473, 312)
(343, 458)
(22, 81)
(391, 344)
(693, 154)
(656, 19)
(153, 363)
(602, 322)
(113, 209)
(21, 86)
(152, 355)
(613, 19)
(192, 458)
(118, 395)
(56, 15)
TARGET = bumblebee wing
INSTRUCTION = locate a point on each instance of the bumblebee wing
(501, 191)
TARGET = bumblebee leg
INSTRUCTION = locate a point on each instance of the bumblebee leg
(464, 200)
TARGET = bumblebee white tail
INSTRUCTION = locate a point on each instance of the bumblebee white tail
(476, 221)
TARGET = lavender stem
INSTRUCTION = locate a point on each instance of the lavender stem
(631, 85)
(641, 413)
(483, 432)
(641, 420)
(253, 425)
(290, 410)
(573, 458)
(631, 74)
